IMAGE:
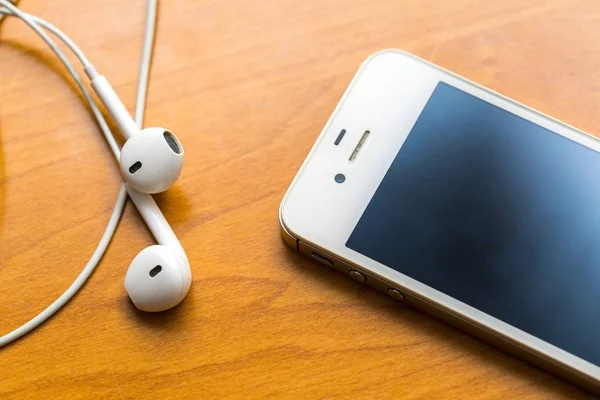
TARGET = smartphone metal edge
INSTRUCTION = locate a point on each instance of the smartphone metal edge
(450, 316)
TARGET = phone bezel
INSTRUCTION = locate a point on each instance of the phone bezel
(323, 213)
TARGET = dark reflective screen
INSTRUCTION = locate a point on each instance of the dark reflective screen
(497, 212)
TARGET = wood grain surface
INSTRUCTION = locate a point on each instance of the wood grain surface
(247, 86)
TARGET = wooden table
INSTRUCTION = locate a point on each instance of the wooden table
(247, 86)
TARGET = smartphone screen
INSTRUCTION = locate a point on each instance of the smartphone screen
(497, 212)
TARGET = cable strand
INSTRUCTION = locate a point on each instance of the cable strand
(119, 206)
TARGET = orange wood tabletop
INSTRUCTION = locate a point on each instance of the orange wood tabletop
(247, 86)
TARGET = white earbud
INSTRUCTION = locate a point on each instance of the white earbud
(159, 277)
(151, 159)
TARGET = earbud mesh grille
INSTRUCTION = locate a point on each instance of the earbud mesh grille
(172, 142)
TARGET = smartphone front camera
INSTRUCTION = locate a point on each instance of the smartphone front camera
(340, 178)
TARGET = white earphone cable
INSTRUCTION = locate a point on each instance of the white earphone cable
(13, 11)
(2, 16)
(8, 9)
(146, 62)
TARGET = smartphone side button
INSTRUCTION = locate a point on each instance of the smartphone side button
(395, 294)
(357, 276)
(321, 259)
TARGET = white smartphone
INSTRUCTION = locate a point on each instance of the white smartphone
(463, 202)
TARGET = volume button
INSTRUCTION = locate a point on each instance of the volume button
(395, 294)
(357, 276)
(322, 259)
